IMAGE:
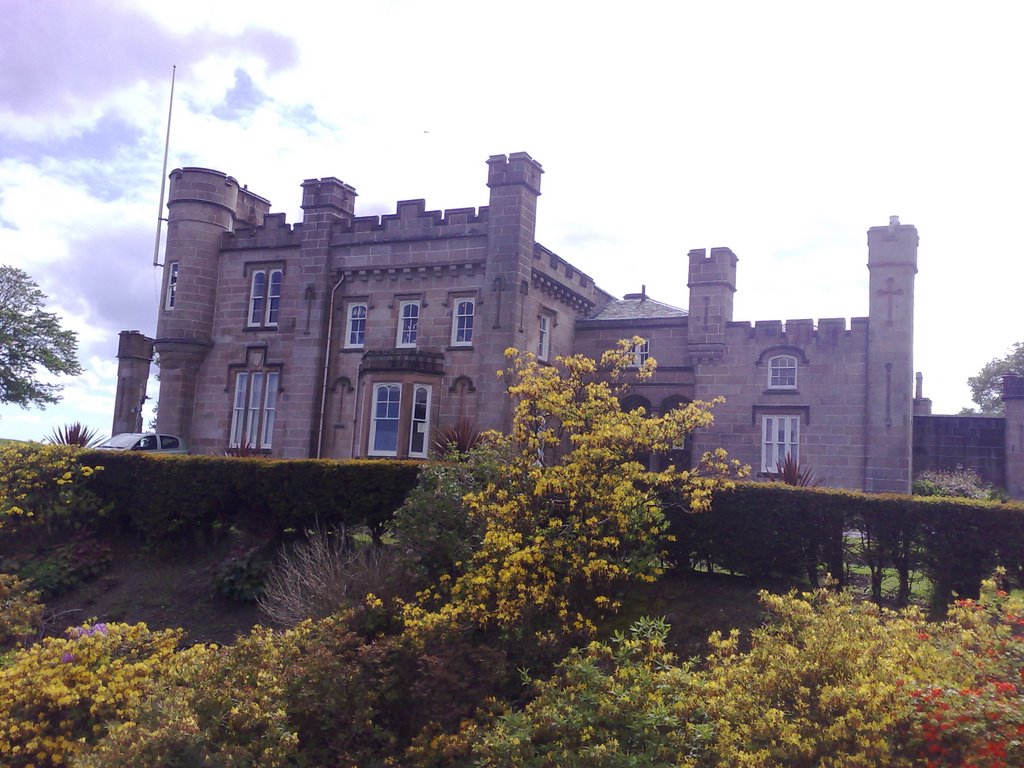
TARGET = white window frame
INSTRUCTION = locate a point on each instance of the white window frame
(408, 324)
(372, 449)
(350, 325)
(641, 352)
(172, 285)
(543, 337)
(269, 410)
(265, 298)
(463, 322)
(254, 409)
(780, 436)
(419, 422)
(274, 298)
(779, 367)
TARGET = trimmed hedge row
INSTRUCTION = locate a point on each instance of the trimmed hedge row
(771, 529)
(173, 497)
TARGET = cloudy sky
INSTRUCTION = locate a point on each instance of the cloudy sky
(782, 130)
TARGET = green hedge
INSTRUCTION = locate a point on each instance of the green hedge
(769, 530)
(172, 497)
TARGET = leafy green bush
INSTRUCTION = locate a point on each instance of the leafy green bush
(173, 499)
(242, 577)
(62, 568)
(433, 529)
(772, 530)
(624, 703)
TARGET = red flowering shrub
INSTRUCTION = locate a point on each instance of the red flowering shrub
(982, 724)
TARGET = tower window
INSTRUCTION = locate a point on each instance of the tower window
(172, 285)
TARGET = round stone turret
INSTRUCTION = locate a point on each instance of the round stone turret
(203, 204)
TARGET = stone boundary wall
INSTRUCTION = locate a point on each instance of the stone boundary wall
(974, 442)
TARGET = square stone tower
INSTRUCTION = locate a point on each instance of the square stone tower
(892, 264)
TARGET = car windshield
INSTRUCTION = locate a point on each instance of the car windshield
(124, 441)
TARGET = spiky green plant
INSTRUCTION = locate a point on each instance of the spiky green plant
(461, 438)
(75, 433)
(791, 473)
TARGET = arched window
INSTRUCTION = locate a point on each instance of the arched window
(782, 372)
(408, 324)
(633, 402)
(462, 322)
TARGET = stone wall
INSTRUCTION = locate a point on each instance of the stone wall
(974, 442)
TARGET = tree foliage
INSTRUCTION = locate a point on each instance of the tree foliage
(31, 340)
(987, 386)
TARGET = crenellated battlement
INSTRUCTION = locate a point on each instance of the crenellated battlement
(832, 331)
(411, 221)
(205, 186)
(715, 267)
(554, 266)
(275, 232)
(516, 169)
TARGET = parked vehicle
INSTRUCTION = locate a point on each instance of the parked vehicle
(144, 441)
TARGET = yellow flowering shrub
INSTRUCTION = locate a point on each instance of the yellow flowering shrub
(316, 694)
(828, 682)
(63, 694)
(221, 706)
(43, 486)
(21, 613)
(575, 512)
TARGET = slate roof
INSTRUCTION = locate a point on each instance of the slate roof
(638, 307)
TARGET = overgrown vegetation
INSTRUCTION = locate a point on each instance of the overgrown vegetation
(330, 571)
(521, 548)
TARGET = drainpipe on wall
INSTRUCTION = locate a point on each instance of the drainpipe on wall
(327, 367)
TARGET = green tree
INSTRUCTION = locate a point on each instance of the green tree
(987, 386)
(31, 340)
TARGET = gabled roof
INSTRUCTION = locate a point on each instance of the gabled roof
(638, 306)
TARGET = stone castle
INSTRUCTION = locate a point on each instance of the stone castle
(358, 336)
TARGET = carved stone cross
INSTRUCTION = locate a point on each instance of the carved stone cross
(889, 291)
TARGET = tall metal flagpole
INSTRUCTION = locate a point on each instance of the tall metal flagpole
(163, 176)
